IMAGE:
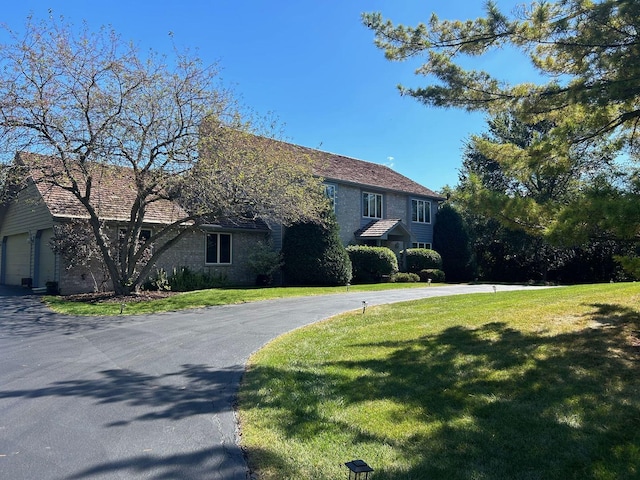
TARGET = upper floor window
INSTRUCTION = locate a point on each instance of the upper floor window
(218, 248)
(371, 205)
(420, 211)
(330, 193)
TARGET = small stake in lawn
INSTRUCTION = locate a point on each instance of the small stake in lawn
(121, 308)
(364, 307)
(358, 467)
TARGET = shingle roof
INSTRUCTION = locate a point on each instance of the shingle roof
(113, 193)
(350, 170)
(381, 228)
(114, 189)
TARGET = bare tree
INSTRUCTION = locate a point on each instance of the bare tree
(95, 111)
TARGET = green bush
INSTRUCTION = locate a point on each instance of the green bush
(314, 255)
(372, 264)
(160, 282)
(434, 274)
(405, 278)
(184, 280)
(264, 261)
(418, 259)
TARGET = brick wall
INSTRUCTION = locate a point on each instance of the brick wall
(188, 252)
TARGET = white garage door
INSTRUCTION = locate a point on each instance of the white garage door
(18, 259)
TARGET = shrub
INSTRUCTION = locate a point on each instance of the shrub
(372, 264)
(418, 259)
(184, 280)
(314, 255)
(434, 274)
(264, 261)
(158, 283)
(405, 278)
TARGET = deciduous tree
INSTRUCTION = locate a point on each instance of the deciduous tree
(95, 104)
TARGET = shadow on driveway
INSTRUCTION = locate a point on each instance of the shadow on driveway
(23, 314)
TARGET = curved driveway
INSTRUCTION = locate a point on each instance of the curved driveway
(146, 396)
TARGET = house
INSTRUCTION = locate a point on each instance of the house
(374, 205)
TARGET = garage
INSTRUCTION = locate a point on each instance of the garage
(16, 258)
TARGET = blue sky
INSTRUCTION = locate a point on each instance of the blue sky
(312, 64)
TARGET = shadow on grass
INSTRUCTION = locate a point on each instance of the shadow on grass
(500, 403)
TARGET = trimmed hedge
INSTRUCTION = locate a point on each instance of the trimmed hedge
(418, 259)
(405, 278)
(372, 264)
(436, 275)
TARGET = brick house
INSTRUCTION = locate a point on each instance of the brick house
(373, 204)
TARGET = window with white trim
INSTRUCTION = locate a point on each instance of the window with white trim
(330, 193)
(371, 205)
(143, 237)
(218, 249)
(421, 245)
(420, 211)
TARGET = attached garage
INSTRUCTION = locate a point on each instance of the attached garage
(16, 258)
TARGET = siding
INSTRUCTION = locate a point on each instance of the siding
(25, 231)
(27, 214)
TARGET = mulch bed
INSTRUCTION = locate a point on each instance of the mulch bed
(111, 297)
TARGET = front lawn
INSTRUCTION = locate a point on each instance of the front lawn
(540, 384)
(102, 305)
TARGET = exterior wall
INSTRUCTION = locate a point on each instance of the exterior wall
(83, 279)
(422, 232)
(396, 207)
(25, 231)
(27, 214)
(348, 208)
(190, 252)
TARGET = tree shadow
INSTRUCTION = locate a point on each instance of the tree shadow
(194, 390)
(198, 465)
(191, 391)
(25, 315)
(502, 403)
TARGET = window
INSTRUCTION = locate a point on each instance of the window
(218, 248)
(143, 237)
(421, 245)
(420, 211)
(145, 234)
(330, 193)
(371, 205)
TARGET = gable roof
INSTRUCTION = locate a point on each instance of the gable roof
(113, 192)
(349, 170)
(381, 229)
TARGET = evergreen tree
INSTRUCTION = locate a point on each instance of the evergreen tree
(451, 240)
(314, 255)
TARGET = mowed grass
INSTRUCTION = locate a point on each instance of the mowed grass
(203, 298)
(538, 384)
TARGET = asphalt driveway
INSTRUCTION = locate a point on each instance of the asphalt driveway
(141, 397)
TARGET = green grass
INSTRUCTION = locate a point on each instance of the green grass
(537, 384)
(205, 298)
